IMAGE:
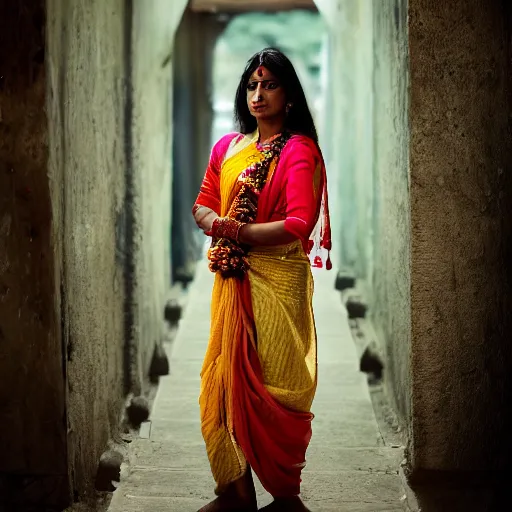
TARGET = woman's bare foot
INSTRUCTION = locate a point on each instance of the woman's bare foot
(240, 496)
(229, 504)
(292, 504)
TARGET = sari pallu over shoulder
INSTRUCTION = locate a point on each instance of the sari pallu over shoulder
(299, 189)
(209, 193)
(251, 411)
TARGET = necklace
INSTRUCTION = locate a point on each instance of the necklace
(226, 256)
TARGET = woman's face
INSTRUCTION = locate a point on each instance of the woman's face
(266, 97)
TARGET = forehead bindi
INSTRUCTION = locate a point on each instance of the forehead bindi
(262, 74)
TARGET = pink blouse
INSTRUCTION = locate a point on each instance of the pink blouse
(293, 193)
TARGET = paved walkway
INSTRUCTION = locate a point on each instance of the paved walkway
(349, 468)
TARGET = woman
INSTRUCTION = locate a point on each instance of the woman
(263, 195)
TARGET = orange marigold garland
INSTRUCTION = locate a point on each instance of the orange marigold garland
(226, 255)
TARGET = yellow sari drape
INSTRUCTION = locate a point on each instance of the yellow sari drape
(281, 290)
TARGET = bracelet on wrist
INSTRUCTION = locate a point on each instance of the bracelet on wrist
(224, 227)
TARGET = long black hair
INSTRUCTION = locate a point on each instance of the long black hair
(299, 118)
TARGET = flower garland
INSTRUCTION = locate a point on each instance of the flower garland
(226, 255)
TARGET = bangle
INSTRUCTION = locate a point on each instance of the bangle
(224, 227)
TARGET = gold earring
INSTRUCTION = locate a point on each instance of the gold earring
(288, 107)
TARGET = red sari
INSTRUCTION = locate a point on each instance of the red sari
(259, 373)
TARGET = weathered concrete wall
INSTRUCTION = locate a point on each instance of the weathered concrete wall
(435, 259)
(195, 42)
(150, 183)
(32, 412)
(390, 280)
(347, 130)
(368, 166)
(342, 151)
(461, 199)
(363, 128)
(82, 113)
(85, 106)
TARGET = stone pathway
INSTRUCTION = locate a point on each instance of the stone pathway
(349, 467)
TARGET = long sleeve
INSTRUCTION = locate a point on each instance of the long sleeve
(302, 189)
(209, 193)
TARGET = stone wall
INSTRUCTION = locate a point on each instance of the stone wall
(86, 114)
(85, 206)
(150, 178)
(338, 142)
(368, 168)
(390, 281)
(434, 255)
(461, 199)
(32, 386)
(195, 44)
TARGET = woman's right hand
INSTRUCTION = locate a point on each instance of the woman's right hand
(207, 223)
(204, 218)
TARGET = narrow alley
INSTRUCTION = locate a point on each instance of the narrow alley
(108, 114)
(349, 467)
